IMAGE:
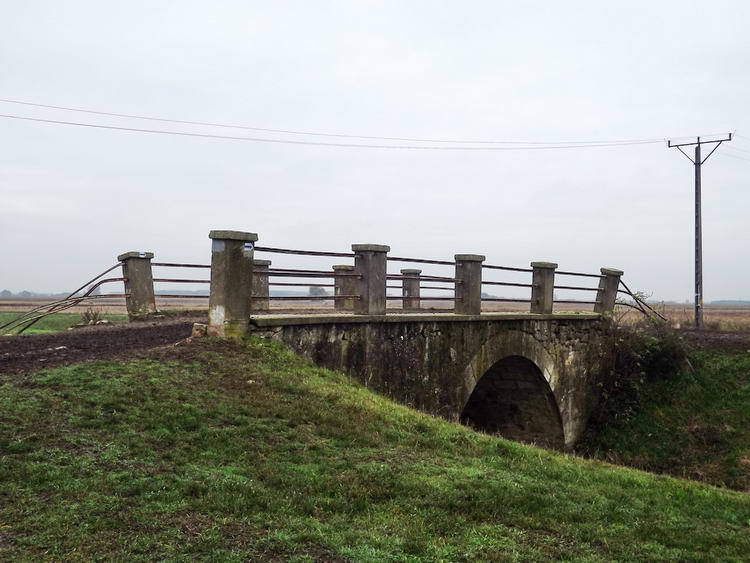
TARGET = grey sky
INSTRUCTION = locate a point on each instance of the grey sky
(73, 198)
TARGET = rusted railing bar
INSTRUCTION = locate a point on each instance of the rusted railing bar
(302, 284)
(507, 268)
(92, 280)
(54, 307)
(306, 275)
(421, 261)
(641, 301)
(179, 296)
(576, 301)
(295, 270)
(422, 278)
(576, 288)
(180, 280)
(330, 273)
(438, 287)
(509, 300)
(106, 280)
(174, 265)
(428, 298)
(108, 270)
(304, 252)
(308, 297)
(53, 304)
(628, 305)
(579, 274)
(512, 284)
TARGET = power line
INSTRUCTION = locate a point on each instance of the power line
(317, 134)
(736, 149)
(321, 144)
(733, 156)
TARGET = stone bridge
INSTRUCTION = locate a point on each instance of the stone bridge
(526, 377)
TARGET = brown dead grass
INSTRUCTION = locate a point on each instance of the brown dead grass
(716, 317)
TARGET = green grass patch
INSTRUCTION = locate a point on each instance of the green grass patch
(245, 452)
(693, 425)
(57, 321)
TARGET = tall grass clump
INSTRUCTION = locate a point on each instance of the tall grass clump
(646, 351)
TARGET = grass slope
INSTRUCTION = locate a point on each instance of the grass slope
(694, 425)
(245, 452)
(57, 321)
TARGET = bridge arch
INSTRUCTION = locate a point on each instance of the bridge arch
(511, 388)
(513, 399)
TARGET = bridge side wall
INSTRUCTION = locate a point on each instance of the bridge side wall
(434, 366)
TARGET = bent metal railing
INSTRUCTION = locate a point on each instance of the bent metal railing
(363, 282)
(26, 320)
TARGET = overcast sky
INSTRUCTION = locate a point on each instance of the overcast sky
(74, 198)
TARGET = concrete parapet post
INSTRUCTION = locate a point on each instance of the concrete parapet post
(260, 302)
(139, 284)
(469, 283)
(606, 297)
(370, 262)
(231, 283)
(344, 285)
(543, 290)
(410, 289)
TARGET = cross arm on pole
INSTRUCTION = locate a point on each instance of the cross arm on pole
(686, 155)
(699, 141)
(712, 151)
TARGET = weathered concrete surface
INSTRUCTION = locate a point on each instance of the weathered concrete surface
(434, 362)
(542, 290)
(344, 284)
(231, 282)
(139, 284)
(259, 301)
(370, 265)
(609, 283)
(410, 289)
(468, 283)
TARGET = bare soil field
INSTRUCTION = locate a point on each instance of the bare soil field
(115, 305)
(716, 317)
(19, 354)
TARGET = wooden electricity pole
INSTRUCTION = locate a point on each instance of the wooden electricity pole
(697, 162)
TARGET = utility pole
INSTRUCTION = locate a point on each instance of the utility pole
(697, 163)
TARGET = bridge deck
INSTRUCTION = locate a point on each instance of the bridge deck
(271, 320)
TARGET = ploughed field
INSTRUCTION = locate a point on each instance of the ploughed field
(716, 317)
(201, 449)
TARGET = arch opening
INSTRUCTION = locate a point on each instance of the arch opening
(514, 400)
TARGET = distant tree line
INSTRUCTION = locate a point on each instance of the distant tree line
(25, 293)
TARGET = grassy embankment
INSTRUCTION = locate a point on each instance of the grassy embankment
(692, 425)
(57, 321)
(232, 452)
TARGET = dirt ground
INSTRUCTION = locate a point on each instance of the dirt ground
(720, 340)
(25, 354)
(20, 354)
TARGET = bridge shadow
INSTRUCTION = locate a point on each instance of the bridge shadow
(514, 400)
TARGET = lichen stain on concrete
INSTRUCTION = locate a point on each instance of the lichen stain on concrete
(216, 315)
